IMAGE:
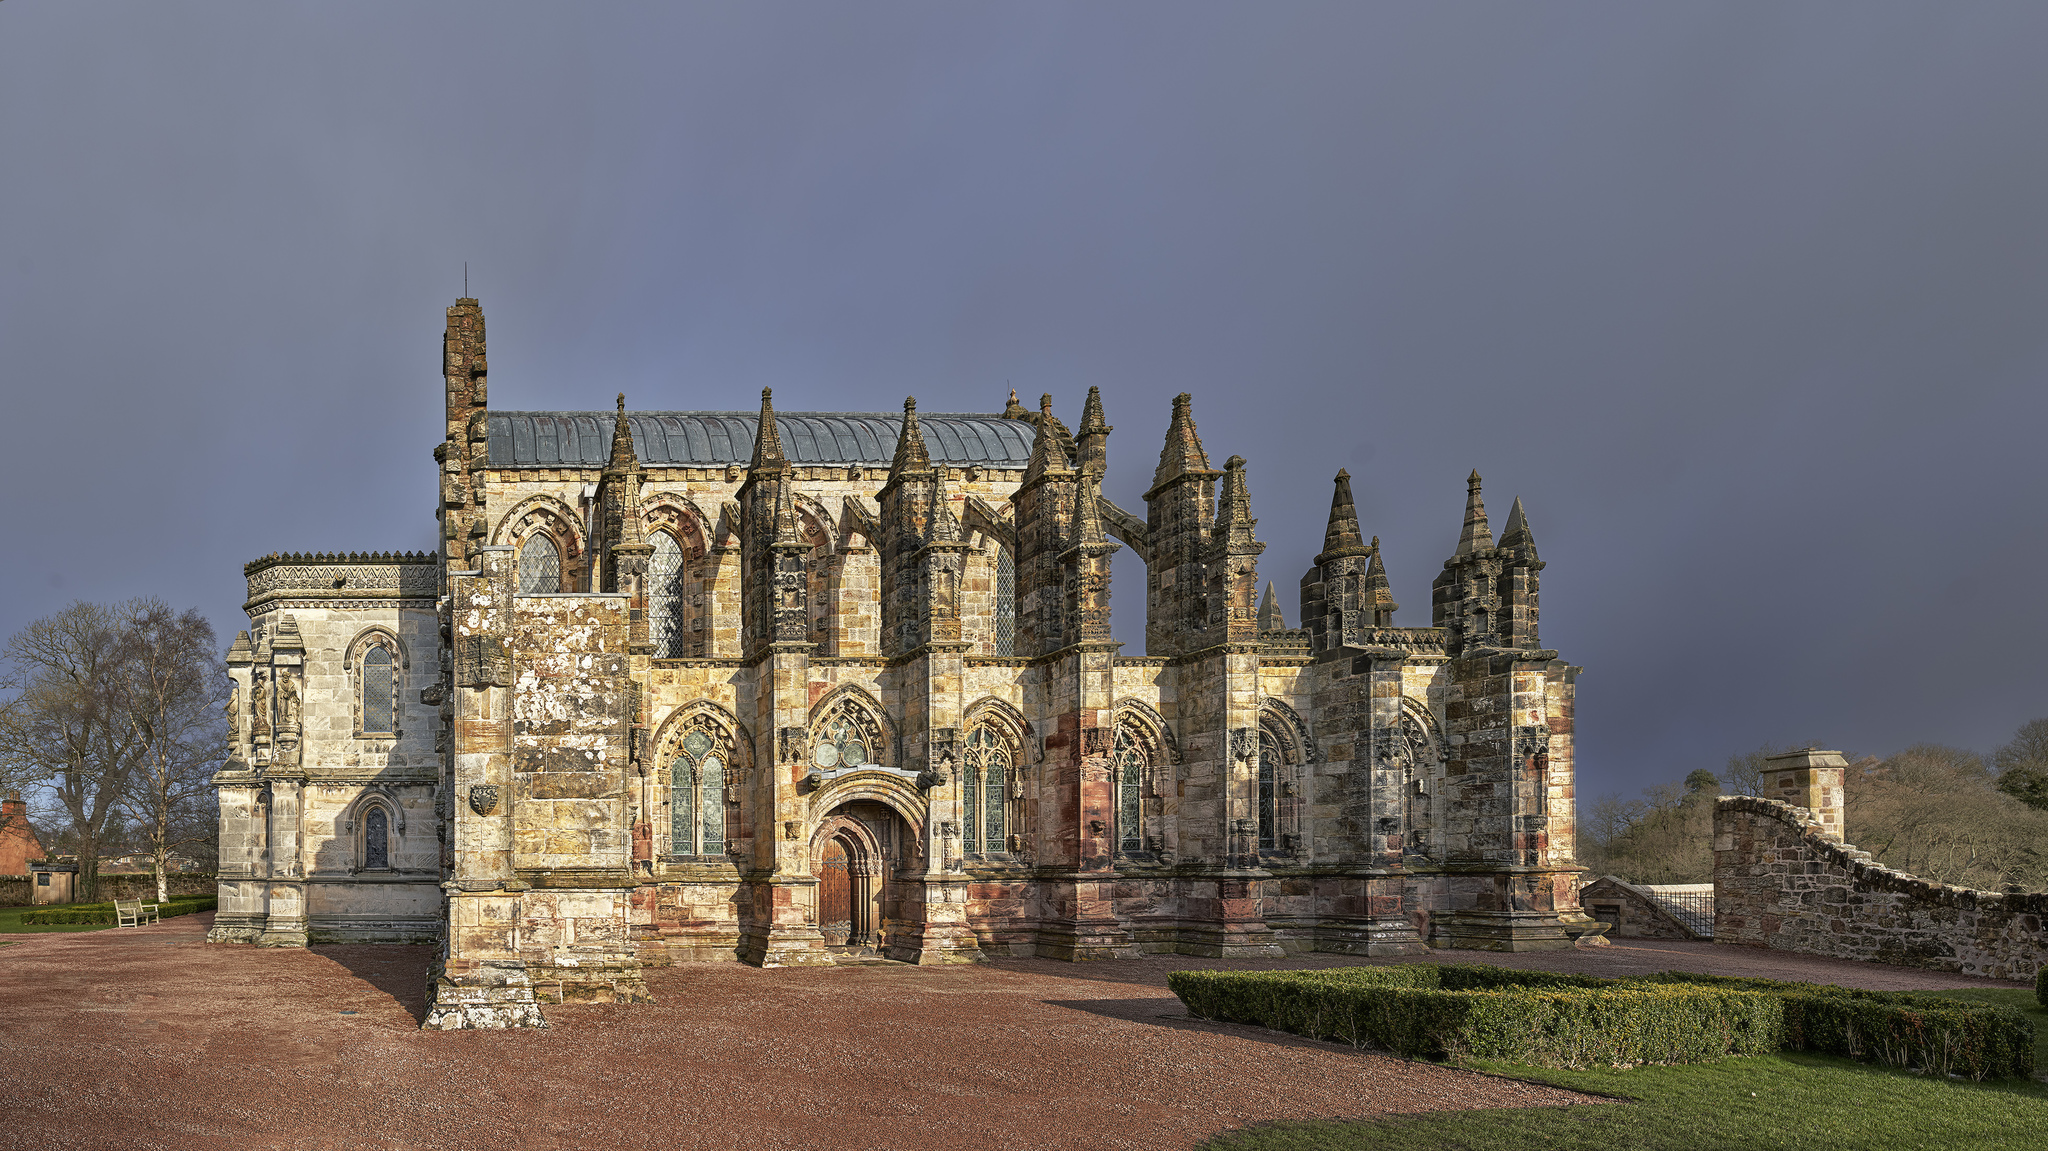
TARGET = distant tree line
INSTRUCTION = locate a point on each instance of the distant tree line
(112, 719)
(1941, 813)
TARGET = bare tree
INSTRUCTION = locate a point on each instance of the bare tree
(63, 727)
(174, 690)
(2023, 765)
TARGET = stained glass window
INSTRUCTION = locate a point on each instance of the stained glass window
(376, 840)
(984, 791)
(665, 597)
(696, 814)
(1006, 603)
(377, 693)
(1269, 771)
(540, 565)
(840, 743)
(1130, 760)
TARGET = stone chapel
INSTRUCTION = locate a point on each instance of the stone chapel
(784, 687)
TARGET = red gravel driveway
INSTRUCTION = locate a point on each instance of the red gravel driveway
(150, 1038)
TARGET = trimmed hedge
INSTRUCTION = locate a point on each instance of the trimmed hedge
(104, 912)
(1461, 1011)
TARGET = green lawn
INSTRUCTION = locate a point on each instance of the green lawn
(10, 923)
(1765, 1102)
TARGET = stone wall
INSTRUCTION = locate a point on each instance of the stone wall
(19, 890)
(1781, 882)
(1630, 911)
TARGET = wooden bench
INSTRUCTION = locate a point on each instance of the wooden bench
(133, 913)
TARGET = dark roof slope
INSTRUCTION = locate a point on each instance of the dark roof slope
(698, 439)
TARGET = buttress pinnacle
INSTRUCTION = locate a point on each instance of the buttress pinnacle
(1476, 536)
(768, 438)
(1341, 538)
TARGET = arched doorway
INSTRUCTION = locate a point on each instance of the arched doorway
(855, 854)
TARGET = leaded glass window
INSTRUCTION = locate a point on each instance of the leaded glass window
(376, 840)
(1131, 761)
(377, 694)
(696, 813)
(840, 743)
(540, 565)
(1269, 772)
(984, 791)
(665, 598)
(1006, 603)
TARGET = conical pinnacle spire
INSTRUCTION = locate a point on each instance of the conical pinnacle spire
(1047, 458)
(911, 455)
(1341, 537)
(1477, 536)
(1094, 443)
(1270, 616)
(945, 526)
(622, 438)
(768, 438)
(1379, 594)
(1517, 533)
(1092, 421)
(1183, 451)
(787, 533)
(1088, 511)
(1234, 511)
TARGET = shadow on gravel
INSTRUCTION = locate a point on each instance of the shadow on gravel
(396, 969)
(1169, 1013)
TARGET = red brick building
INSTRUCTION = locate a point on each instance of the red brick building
(18, 842)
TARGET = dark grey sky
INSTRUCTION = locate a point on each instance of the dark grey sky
(1744, 300)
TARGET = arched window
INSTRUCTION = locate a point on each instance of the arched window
(1130, 761)
(376, 839)
(1270, 767)
(1006, 603)
(984, 792)
(379, 692)
(697, 794)
(540, 565)
(666, 597)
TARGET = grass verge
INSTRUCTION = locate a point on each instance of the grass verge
(1780, 1102)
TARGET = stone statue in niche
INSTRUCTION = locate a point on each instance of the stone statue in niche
(259, 705)
(288, 701)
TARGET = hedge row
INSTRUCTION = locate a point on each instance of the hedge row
(1553, 1020)
(104, 912)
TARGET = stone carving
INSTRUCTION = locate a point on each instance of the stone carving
(483, 798)
(288, 701)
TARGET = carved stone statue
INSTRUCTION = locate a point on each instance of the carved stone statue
(288, 701)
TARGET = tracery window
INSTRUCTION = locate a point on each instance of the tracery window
(540, 565)
(379, 696)
(841, 742)
(376, 839)
(696, 779)
(665, 597)
(1130, 760)
(1006, 603)
(985, 792)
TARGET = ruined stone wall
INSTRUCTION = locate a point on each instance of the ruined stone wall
(1781, 882)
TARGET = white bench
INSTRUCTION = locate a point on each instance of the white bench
(133, 913)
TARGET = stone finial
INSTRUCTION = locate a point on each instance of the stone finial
(1516, 535)
(911, 455)
(768, 437)
(623, 456)
(787, 533)
(1094, 435)
(1341, 537)
(1014, 410)
(1047, 457)
(1182, 454)
(1234, 520)
(1088, 511)
(1379, 594)
(945, 526)
(1477, 536)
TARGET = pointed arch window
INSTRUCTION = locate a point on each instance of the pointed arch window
(696, 778)
(376, 686)
(841, 741)
(985, 792)
(665, 597)
(1130, 759)
(540, 565)
(1006, 603)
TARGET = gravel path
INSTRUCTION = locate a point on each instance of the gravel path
(149, 1038)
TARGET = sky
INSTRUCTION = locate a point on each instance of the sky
(1744, 300)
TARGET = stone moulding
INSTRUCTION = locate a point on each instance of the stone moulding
(338, 580)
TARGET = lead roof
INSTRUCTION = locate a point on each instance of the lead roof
(699, 439)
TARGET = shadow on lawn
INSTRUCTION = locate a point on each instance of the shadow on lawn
(396, 969)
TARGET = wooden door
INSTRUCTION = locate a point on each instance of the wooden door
(835, 895)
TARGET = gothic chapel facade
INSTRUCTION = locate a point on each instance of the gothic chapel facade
(705, 686)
